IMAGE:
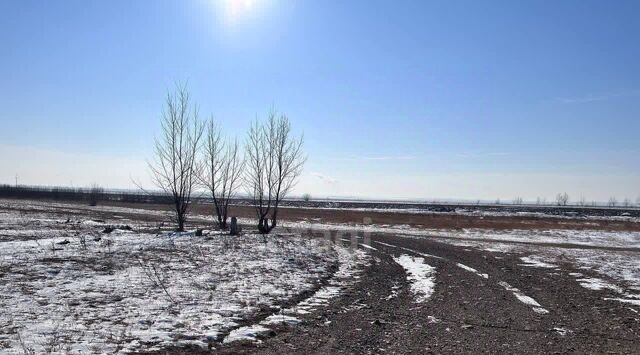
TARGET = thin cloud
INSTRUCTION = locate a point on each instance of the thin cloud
(595, 98)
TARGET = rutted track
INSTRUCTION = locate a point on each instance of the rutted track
(483, 302)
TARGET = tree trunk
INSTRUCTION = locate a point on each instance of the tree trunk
(179, 218)
(222, 219)
(263, 225)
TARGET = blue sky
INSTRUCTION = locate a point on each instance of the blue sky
(396, 99)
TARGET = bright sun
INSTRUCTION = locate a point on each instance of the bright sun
(236, 9)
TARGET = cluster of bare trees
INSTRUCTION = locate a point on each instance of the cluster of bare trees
(191, 155)
(562, 199)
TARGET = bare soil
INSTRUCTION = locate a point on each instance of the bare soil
(466, 314)
(429, 220)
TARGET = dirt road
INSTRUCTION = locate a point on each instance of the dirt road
(468, 312)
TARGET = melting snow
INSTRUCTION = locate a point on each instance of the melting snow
(133, 291)
(409, 250)
(598, 284)
(420, 275)
(635, 302)
(524, 298)
(562, 331)
(281, 319)
(350, 265)
(470, 269)
(536, 262)
(250, 333)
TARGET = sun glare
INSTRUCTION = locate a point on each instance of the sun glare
(234, 10)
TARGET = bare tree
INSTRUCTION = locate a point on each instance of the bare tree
(306, 197)
(274, 163)
(517, 201)
(562, 199)
(612, 201)
(220, 171)
(626, 202)
(174, 168)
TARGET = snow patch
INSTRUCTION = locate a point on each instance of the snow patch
(421, 276)
(281, 319)
(409, 250)
(535, 261)
(562, 331)
(367, 246)
(351, 263)
(141, 291)
(596, 284)
(249, 333)
(635, 302)
(470, 269)
(524, 298)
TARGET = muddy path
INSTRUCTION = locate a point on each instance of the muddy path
(482, 302)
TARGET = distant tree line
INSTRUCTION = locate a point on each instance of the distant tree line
(563, 199)
(91, 195)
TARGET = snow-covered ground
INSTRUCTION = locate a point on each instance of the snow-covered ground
(65, 286)
(351, 263)
(555, 236)
(470, 211)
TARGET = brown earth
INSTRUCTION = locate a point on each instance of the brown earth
(419, 220)
(466, 314)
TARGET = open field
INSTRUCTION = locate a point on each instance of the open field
(113, 278)
(427, 216)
